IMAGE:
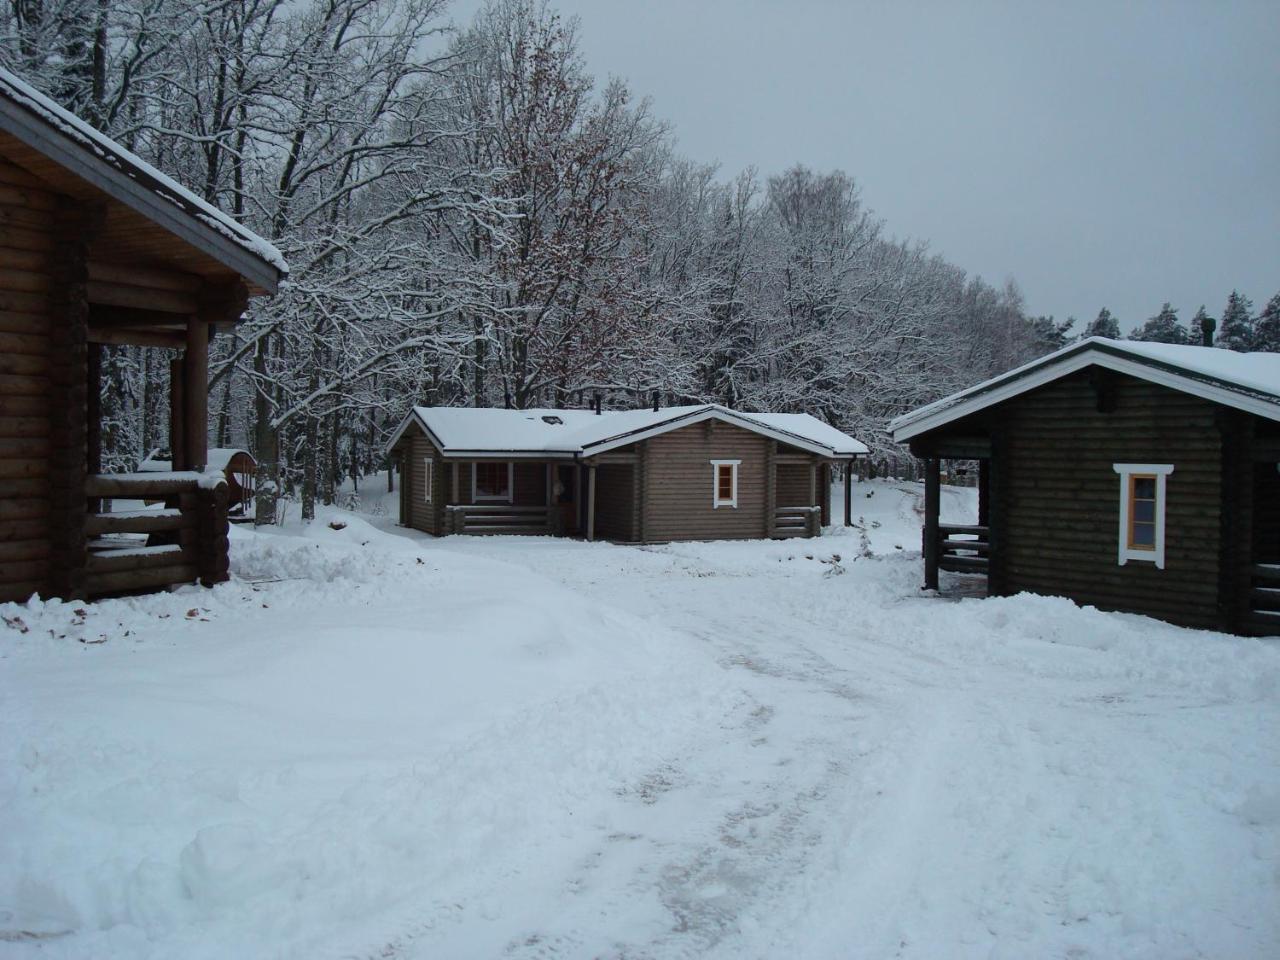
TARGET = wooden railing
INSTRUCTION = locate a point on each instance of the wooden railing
(1264, 598)
(963, 548)
(186, 539)
(797, 522)
(495, 518)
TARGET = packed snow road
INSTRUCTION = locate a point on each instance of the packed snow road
(372, 744)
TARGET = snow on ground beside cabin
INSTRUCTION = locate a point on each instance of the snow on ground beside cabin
(375, 744)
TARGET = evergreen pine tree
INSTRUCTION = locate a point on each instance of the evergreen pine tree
(1266, 329)
(1103, 325)
(1162, 328)
(1196, 330)
(1235, 331)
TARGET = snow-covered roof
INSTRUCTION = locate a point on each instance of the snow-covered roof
(466, 431)
(1246, 381)
(47, 127)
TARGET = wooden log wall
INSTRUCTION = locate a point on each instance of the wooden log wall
(35, 251)
(1056, 499)
(678, 498)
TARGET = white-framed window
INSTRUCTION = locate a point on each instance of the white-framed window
(428, 464)
(724, 483)
(1142, 499)
(492, 480)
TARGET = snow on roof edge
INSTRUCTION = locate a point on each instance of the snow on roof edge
(1136, 351)
(110, 152)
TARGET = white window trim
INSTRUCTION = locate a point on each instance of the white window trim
(716, 502)
(1161, 472)
(429, 464)
(501, 498)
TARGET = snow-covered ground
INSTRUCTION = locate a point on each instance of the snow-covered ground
(373, 744)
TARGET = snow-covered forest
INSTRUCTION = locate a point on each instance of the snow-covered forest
(472, 217)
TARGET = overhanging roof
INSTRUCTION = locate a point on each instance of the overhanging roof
(492, 433)
(1245, 381)
(68, 141)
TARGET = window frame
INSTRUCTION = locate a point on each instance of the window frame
(430, 464)
(1129, 474)
(716, 501)
(508, 497)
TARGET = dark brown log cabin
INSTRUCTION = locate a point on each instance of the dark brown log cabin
(1128, 476)
(98, 248)
(684, 473)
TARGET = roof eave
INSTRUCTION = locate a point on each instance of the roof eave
(36, 132)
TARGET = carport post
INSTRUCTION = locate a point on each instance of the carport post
(932, 505)
(591, 502)
(848, 493)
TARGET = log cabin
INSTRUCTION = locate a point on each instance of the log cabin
(1140, 477)
(700, 472)
(97, 247)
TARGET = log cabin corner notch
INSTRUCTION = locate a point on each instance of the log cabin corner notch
(701, 472)
(1142, 477)
(100, 248)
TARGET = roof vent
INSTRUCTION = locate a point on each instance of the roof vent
(551, 419)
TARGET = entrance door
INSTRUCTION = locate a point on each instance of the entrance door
(563, 499)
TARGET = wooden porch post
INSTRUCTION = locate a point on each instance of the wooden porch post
(984, 492)
(848, 493)
(771, 490)
(177, 418)
(196, 375)
(591, 502)
(932, 505)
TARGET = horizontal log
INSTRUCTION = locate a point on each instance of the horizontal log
(11, 173)
(1266, 572)
(504, 529)
(24, 217)
(98, 584)
(26, 198)
(28, 281)
(26, 238)
(18, 448)
(17, 504)
(24, 364)
(139, 558)
(24, 344)
(141, 521)
(979, 546)
(37, 261)
(20, 591)
(136, 486)
(36, 323)
(18, 302)
(23, 427)
(963, 564)
(495, 508)
(946, 529)
(24, 405)
(125, 337)
(23, 469)
(13, 551)
(36, 529)
(141, 298)
(130, 275)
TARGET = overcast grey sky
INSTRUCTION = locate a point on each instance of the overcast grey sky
(1116, 154)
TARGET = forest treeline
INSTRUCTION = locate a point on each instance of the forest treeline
(472, 218)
